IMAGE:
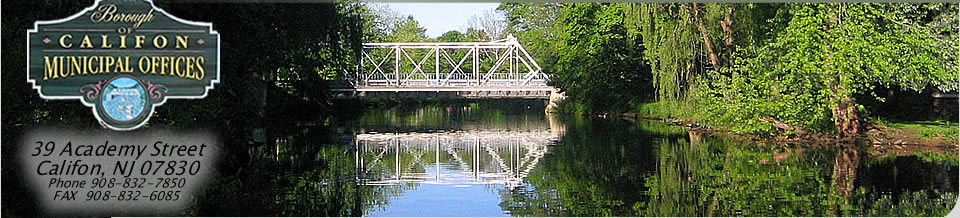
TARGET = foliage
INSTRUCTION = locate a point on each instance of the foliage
(600, 66)
(471, 35)
(587, 49)
(665, 109)
(670, 43)
(288, 67)
(675, 46)
(537, 27)
(825, 55)
(409, 30)
(452, 36)
(804, 65)
(21, 103)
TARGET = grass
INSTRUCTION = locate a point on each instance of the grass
(927, 129)
(663, 109)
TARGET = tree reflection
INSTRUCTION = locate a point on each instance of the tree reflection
(845, 165)
(596, 169)
(298, 175)
(609, 168)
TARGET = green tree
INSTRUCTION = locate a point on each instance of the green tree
(409, 30)
(809, 73)
(684, 40)
(536, 26)
(452, 36)
(600, 66)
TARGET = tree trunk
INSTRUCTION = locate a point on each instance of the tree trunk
(727, 25)
(706, 36)
(845, 118)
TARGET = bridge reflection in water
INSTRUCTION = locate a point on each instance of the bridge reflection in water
(459, 157)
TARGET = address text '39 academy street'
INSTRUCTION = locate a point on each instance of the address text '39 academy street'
(132, 153)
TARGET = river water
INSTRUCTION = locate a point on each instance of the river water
(509, 158)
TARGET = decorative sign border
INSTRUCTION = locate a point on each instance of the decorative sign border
(156, 93)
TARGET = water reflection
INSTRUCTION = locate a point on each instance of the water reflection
(510, 159)
(456, 158)
(463, 157)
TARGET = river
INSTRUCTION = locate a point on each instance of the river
(509, 158)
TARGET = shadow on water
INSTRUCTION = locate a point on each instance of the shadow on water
(299, 174)
(503, 158)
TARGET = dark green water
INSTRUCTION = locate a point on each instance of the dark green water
(507, 158)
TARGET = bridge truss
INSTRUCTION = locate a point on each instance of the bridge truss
(502, 65)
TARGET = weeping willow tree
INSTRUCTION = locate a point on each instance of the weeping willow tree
(671, 45)
(683, 41)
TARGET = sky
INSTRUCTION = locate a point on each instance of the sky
(438, 18)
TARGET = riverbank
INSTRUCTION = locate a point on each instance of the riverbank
(884, 137)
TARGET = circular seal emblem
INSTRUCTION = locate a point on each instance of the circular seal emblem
(123, 102)
(123, 99)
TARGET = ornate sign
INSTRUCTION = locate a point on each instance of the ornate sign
(122, 58)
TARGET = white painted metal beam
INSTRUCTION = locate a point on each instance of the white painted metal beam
(486, 68)
(451, 89)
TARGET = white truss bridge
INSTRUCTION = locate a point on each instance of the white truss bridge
(496, 68)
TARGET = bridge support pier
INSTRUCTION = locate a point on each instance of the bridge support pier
(555, 98)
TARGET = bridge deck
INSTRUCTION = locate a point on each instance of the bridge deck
(442, 88)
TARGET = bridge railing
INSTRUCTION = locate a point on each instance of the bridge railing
(502, 63)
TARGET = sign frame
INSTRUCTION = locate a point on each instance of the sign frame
(153, 105)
